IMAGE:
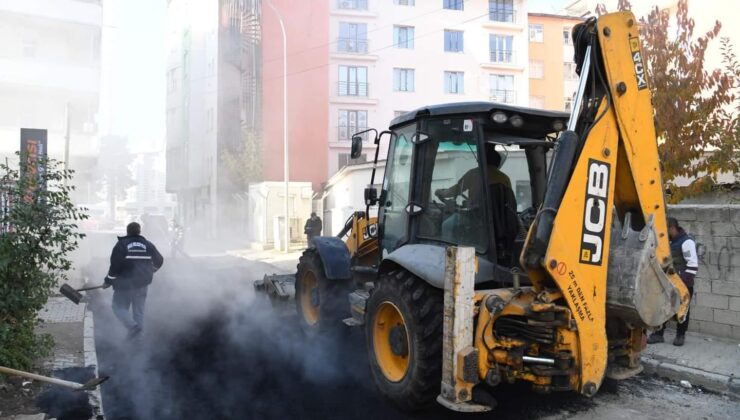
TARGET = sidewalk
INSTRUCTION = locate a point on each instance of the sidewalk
(710, 362)
(285, 263)
(73, 358)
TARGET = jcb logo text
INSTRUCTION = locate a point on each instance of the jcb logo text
(594, 214)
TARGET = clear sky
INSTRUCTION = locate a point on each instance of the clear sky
(133, 85)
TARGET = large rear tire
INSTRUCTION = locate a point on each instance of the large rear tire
(321, 303)
(403, 331)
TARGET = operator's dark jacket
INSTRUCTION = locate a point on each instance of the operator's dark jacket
(133, 263)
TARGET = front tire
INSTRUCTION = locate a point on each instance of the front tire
(321, 303)
(403, 331)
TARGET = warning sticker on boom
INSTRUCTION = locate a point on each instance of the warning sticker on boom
(640, 74)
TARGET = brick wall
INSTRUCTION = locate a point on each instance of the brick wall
(715, 307)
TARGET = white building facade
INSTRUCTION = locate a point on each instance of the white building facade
(392, 56)
(50, 77)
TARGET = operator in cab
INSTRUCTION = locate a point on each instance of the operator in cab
(470, 181)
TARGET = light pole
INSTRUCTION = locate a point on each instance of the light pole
(286, 166)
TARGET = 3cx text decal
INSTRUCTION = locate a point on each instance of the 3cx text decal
(637, 62)
(594, 213)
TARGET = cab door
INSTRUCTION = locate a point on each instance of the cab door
(393, 218)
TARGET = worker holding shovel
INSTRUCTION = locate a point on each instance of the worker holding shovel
(132, 265)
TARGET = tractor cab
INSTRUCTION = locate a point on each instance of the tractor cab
(471, 174)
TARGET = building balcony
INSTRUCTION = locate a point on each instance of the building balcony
(352, 45)
(502, 57)
(352, 4)
(503, 96)
(352, 8)
(504, 19)
(502, 15)
(72, 11)
(345, 133)
(359, 89)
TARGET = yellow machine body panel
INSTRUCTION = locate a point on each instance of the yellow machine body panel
(577, 258)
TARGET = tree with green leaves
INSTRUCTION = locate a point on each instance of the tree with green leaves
(696, 109)
(38, 230)
(243, 161)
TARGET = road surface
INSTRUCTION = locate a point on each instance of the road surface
(211, 351)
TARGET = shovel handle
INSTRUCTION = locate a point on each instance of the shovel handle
(91, 288)
(47, 379)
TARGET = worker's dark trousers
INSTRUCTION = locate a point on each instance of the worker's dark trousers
(682, 326)
(130, 302)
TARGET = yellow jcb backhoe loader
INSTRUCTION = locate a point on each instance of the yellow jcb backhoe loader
(561, 219)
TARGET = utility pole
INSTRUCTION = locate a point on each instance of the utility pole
(286, 166)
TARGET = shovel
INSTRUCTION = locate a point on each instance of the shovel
(87, 386)
(74, 294)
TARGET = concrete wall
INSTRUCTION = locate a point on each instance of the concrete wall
(715, 308)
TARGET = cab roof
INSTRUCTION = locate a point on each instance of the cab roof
(537, 123)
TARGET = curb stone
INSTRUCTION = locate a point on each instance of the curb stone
(712, 381)
(91, 360)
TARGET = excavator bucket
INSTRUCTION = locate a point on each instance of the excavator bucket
(638, 290)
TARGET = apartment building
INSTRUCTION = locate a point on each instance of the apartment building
(213, 79)
(552, 73)
(392, 56)
(50, 79)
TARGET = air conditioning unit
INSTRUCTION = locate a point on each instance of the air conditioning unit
(345, 4)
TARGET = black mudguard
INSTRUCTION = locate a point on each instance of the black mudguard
(335, 257)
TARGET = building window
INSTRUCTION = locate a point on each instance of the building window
(536, 33)
(568, 103)
(454, 82)
(352, 81)
(569, 71)
(567, 40)
(398, 113)
(404, 2)
(345, 160)
(403, 36)
(453, 41)
(537, 102)
(353, 4)
(502, 88)
(350, 122)
(536, 69)
(453, 4)
(501, 10)
(403, 80)
(501, 48)
(352, 37)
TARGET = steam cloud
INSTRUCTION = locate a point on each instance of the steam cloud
(212, 350)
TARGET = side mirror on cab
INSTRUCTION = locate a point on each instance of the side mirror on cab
(356, 147)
